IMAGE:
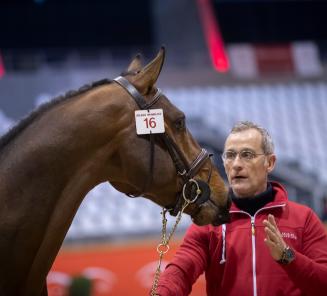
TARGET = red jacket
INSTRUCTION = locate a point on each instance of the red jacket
(237, 262)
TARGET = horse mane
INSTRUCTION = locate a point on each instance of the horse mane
(26, 121)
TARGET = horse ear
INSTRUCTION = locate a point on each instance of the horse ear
(148, 76)
(135, 65)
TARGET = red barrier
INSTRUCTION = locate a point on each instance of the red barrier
(126, 269)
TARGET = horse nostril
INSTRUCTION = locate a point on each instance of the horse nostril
(221, 219)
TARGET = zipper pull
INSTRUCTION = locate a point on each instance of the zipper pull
(252, 226)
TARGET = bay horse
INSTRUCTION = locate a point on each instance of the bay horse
(63, 149)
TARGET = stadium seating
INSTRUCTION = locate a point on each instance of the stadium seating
(295, 115)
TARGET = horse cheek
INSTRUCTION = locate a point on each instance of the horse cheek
(166, 176)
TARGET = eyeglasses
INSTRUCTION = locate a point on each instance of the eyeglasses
(246, 155)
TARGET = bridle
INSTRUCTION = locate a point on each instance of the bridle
(197, 190)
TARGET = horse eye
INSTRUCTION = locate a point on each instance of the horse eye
(180, 124)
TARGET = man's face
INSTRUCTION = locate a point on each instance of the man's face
(248, 177)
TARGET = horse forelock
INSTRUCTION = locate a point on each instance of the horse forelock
(26, 121)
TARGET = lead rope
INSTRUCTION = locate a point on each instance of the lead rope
(163, 247)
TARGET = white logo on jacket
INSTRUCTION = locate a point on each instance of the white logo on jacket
(289, 235)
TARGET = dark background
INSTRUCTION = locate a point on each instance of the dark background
(102, 23)
(271, 21)
(27, 24)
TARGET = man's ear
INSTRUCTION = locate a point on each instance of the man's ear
(271, 162)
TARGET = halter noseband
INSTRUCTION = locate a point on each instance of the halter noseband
(186, 171)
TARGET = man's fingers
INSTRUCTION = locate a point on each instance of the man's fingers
(272, 220)
(272, 235)
(269, 243)
(269, 225)
(273, 240)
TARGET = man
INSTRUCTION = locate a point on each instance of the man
(272, 246)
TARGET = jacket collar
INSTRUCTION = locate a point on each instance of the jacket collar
(280, 197)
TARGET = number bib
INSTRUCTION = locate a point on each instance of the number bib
(149, 121)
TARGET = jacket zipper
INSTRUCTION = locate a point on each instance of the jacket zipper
(254, 274)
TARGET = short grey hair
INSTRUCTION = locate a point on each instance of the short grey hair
(267, 142)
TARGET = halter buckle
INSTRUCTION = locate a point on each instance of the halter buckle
(182, 173)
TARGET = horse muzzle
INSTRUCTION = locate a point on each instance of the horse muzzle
(204, 209)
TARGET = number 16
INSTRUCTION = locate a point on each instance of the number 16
(150, 122)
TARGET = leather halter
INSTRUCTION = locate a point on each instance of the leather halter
(186, 171)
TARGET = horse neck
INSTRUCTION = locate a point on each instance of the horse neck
(45, 174)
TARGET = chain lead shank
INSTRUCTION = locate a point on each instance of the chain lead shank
(163, 247)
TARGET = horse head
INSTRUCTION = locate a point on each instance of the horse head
(170, 167)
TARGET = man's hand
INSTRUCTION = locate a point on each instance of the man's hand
(274, 239)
